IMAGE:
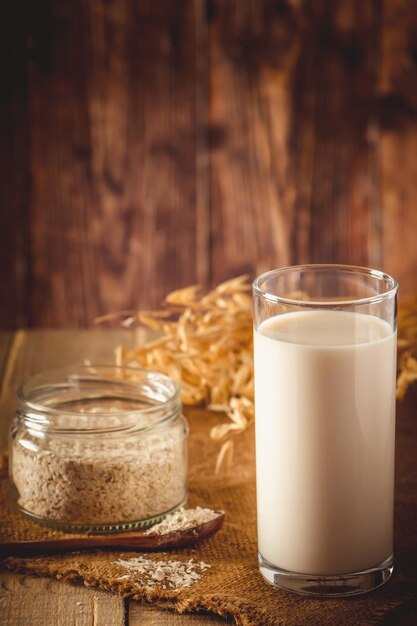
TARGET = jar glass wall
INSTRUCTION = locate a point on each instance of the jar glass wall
(98, 448)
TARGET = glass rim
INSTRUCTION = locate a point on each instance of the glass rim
(41, 415)
(312, 267)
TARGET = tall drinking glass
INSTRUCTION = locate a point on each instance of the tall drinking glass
(325, 366)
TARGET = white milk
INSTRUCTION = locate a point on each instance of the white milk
(325, 416)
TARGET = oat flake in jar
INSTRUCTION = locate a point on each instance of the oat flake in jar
(98, 449)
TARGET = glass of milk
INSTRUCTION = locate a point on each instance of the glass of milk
(325, 369)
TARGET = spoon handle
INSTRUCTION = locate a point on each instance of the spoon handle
(127, 541)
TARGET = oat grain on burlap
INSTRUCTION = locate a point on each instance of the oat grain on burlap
(232, 586)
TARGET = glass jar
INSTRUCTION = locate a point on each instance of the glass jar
(98, 449)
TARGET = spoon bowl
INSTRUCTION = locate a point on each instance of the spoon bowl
(136, 540)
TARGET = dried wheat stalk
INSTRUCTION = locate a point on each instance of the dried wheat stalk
(407, 344)
(206, 345)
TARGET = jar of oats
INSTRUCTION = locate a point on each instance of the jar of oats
(98, 449)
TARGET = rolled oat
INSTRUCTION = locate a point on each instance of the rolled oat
(101, 456)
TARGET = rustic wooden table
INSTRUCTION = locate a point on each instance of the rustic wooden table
(26, 601)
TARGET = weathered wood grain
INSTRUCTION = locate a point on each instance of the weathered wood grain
(149, 145)
(333, 164)
(14, 170)
(252, 51)
(42, 601)
(5, 342)
(397, 140)
(108, 93)
(294, 179)
(140, 614)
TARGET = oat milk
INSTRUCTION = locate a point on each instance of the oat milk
(325, 413)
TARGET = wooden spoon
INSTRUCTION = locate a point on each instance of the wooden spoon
(136, 540)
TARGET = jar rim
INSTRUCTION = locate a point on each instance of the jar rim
(157, 387)
(391, 290)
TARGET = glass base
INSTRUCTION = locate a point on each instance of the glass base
(328, 586)
(97, 529)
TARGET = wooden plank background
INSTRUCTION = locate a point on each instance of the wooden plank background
(149, 145)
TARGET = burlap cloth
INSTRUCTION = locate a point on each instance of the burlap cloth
(233, 587)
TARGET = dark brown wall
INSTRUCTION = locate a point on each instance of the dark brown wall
(146, 145)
